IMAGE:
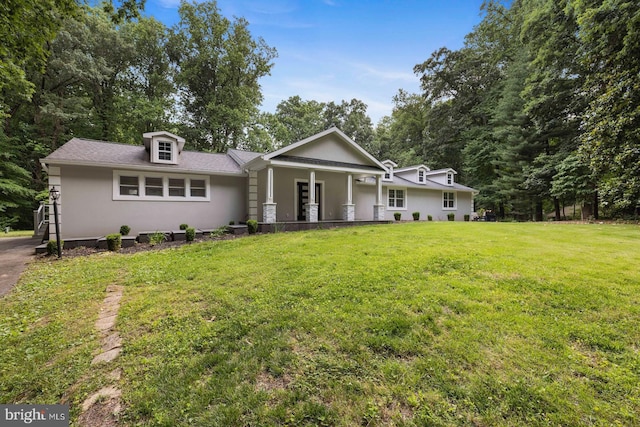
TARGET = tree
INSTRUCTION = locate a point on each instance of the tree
(219, 67)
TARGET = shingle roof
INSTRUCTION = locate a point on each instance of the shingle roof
(243, 157)
(101, 153)
(429, 184)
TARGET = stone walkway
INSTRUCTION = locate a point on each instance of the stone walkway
(102, 407)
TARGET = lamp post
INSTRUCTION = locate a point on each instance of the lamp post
(55, 195)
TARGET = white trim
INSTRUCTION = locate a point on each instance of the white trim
(307, 166)
(295, 197)
(153, 168)
(155, 151)
(455, 200)
(165, 185)
(404, 199)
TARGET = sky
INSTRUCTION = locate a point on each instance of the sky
(334, 50)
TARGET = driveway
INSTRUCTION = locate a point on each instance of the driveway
(15, 253)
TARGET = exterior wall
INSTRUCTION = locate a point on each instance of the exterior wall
(90, 211)
(330, 148)
(429, 202)
(364, 197)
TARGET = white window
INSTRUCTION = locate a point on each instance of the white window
(387, 176)
(160, 187)
(449, 178)
(153, 186)
(421, 175)
(396, 198)
(448, 200)
(198, 188)
(165, 151)
(129, 186)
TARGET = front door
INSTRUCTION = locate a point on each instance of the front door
(303, 200)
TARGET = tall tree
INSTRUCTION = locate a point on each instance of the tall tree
(219, 67)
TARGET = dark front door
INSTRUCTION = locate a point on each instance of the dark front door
(303, 200)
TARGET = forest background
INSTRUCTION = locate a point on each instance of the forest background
(538, 110)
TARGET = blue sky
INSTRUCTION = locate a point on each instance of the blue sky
(330, 50)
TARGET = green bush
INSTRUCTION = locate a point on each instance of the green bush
(252, 226)
(124, 230)
(157, 238)
(416, 216)
(52, 247)
(190, 234)
(429, 218)
(232, 223)
(114, 242)
(451, 217)
(397, 216)
(184, 226)
(467, 217)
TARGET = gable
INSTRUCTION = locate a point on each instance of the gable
(331, 148)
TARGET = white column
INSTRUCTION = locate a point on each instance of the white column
(378, 190)
(312, 187)
(348, 209)
(270, 185)
(349, 189)
(378, 208)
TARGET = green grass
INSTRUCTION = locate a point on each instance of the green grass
(16, 233)
(445, 323)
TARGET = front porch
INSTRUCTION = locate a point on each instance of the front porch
(282, 226)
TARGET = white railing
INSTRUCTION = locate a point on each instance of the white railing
(40, 218)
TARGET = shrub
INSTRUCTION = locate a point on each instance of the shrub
(184, 226)
(429, 218)
(232, 223)
(252, 226)
(416, 216)
(397, 216)
(124, 230)
(467, 217)
(451, 217)
(52, 247)
(114, 242)
(157, 238)
(190, 234)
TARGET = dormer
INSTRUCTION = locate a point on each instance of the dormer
(163, 147)
(421, 174)
(416, 174)
(388, 176)
(443, 176)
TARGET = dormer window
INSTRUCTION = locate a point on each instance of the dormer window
(421, 176)
(449, 178)
(388, 175)
(165, 151)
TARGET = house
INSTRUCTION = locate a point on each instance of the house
(158, 185)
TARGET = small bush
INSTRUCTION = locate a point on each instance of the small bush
(190, 234)
(52, 247)
(416, 216)
(429, 218)
(397, 216)
(184, 226)
(157, 238)
(232, 223)
(114, 242)
(252, 226)
(467, 217)
(451, 217)
(124, 230)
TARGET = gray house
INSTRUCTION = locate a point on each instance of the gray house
(158, 185)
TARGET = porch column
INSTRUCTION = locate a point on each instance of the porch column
(269, 208)
(312, 206)
(378, 208)
(349, 209)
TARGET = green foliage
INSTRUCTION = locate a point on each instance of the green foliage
(52, 247)
(157, 238)
(416, 216)
(124, 230)
(114, 242)
(397, 216)
(429, 218)
(252, 226)
(232, 223)
(184, 226)
(190, 234)
(451, 217)
(467, 217)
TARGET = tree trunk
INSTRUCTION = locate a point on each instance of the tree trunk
(596, 209)
(556, 205)
(539, 214)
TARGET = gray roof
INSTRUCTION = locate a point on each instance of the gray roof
(428, 184)
(243, 157)
(100, 153)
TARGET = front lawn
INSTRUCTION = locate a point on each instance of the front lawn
(444, 323)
